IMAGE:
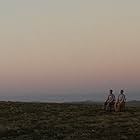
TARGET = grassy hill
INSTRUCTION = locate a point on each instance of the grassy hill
(50, 121)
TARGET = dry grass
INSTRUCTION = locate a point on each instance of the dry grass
(43, 121)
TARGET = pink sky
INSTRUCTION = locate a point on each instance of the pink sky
(70, 46)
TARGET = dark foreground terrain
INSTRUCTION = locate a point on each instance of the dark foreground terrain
(44, 121)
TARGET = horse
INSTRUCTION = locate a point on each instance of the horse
(119, 106)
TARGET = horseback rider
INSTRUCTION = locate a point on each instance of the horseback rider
(120, 104)
(110, 101)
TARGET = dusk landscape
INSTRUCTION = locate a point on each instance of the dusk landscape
(59, 59)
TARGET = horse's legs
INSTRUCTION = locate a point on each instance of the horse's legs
(119, 107)
(115, 107)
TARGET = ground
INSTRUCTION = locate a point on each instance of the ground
(50, 121)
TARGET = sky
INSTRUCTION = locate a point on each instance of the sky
(67, 50)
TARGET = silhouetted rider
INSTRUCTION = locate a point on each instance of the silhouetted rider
(110, 100)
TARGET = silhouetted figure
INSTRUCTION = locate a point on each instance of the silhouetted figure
(120, 104)
(109, 103)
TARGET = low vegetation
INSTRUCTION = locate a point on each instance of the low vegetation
(50, 121)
